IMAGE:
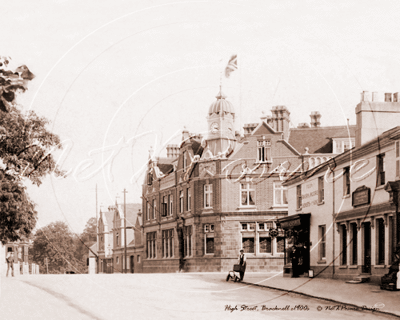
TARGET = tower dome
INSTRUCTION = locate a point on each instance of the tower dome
(221, 106)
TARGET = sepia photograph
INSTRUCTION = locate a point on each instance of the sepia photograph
(196, 159)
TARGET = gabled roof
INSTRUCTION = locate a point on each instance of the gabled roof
(132, 210)
(318, 140)
(108, 217)
(263, 124)
(94, 249)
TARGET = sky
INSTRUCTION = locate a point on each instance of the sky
(118, 77)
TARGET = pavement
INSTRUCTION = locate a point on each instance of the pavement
(362, 295)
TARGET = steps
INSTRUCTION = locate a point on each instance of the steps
(360, 279)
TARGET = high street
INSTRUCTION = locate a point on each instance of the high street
(157, 296)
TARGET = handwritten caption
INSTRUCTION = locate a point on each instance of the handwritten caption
(244, 307)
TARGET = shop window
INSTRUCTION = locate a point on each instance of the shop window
(187, 241)
(344, 244)
(151, 244)
(264, 151)
(346, 181)
(381, 241)
(321, 189)
(380, 178)
(248, 244)
(298, 197)
(208, 190)
(322, 244)
(354, 242)
(247, 194)
(167, 243)
(280, 195)
(209, 239)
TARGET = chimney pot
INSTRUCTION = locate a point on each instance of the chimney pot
(388, 97)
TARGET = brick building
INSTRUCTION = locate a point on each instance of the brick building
(213, 195)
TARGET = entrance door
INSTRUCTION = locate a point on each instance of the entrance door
(131, 264)
(367, 248)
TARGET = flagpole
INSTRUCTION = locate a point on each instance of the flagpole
(240, 94)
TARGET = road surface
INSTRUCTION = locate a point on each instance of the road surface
(156, 296)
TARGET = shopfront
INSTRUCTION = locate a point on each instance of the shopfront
(297, 244)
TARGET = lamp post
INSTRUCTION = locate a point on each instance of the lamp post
(125, 192)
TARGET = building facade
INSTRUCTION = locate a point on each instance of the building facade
(214, 195)
(351, 200)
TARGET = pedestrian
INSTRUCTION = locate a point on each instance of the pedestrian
(10, 262)
(294, 255)
(242, 263)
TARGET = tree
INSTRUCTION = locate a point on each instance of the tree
(25, 154)
(89, 234)
(87, 238)
(56, 243)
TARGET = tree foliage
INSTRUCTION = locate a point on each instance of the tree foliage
(25, 154)
(56, 243)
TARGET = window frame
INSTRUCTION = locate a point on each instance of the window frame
(208, 194)
(321, 190)
(283, 190)
(299, 203)
(168, 243)
(248, 190)
(322, 242)
(346, 182)
(151, 245)
(181, 201)
(209, 233)
(188, 199)
(264, 154)
(380, 172)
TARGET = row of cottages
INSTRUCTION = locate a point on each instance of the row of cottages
(111, 242)
(214, 195)
(343, 214)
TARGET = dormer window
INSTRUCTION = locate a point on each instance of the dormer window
(264, 151)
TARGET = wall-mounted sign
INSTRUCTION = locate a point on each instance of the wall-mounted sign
(361, 196)
(290, 224)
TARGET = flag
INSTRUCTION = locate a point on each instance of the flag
(232, 65)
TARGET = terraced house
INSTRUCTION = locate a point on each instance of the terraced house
(213, 195)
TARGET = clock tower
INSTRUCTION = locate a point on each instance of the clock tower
(221, 130)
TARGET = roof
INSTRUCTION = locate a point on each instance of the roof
(221, 105)
(108, 215)
(318, 140)
(94, 249)
(383, 140)
(132, 210)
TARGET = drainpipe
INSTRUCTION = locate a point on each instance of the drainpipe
(333, 222)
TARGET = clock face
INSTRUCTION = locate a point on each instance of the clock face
(214, 127)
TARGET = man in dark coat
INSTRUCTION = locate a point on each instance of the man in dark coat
(242, 263)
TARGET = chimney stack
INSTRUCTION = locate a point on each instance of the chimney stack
(315, 117)
(376, 115)
(172, 151)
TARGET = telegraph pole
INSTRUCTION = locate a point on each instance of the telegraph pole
(125, 192)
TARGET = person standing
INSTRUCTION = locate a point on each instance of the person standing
(10, 262)
(242, 263)
(294, 255)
